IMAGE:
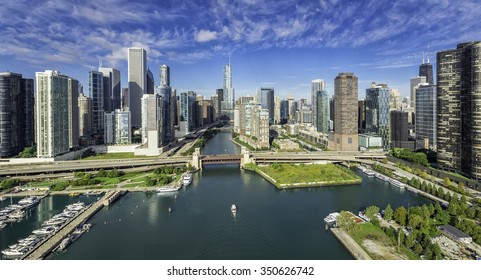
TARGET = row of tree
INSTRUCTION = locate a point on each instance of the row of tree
(405, 154)
(381, 169)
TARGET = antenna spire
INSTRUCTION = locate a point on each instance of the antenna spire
(428, 53)
(423, 57)
(100, 63)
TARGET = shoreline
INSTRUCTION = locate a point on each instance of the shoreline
(351, 246)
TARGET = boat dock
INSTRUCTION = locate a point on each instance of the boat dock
(45, 247)
(111, 196)
(356, 251)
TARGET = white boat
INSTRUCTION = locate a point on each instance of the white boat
(2, 198)
(45, 230)
(15, 252)
(233, 208)
(17, 214)
(331, 218)
(187, 179)
(165, 189)
(2, 225)
(29, 202)
(382, 177)
(65, 242)
(362, 215)
(397, 183)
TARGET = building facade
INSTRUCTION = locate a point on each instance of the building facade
(265, 97)
(345, 114)
(85, 115)
(400, 131)
(317, 86)
(96, 89)
(415, 82)
(16, 113)
(426, 117)
(112, 90)
(137, 78)
(228, 90)
(458, 100)
(322, 108)
(377, 112)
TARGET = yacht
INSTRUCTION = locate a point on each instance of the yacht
(45, 230)
(17, 252)
(17, 214)
(2, 198)
(362, 215)
(233, 208)
(382, 177)
(397, 183)
(331, 218)
(187, 179)
(29, 202)
(63, 245)
(165, 189)
(2, 225)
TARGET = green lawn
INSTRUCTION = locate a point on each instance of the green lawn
(326, 174)
(385, 247)
(113, 156)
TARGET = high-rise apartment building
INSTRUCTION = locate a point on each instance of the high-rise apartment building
(52, 113)
(377, 112)
(361, 116)
(345, 115)
(228, 90)
(164, 74)
(316, 86)
(399, 131)
(112, 90)
(187, 111)
(277, 109)
(458, 100)
(137, 72)
(73, 113)
(426, 117)
(96, 88)
(85, 115)
(152, 106)
(150, 82)
(284, 111)
(265, 97)
(16, 113)
(322, 110)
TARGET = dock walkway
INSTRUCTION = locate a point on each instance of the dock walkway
(53, 241)
(356, 251)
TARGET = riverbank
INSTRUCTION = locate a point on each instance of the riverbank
(305, 175)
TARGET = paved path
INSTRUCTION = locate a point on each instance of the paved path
(356, 251)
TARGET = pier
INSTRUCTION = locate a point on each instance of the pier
(51, 242)
(111, 196)
(356, 251)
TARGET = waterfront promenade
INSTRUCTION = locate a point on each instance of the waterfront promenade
(356, 251)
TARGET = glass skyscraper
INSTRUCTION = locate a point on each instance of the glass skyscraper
(377, 112)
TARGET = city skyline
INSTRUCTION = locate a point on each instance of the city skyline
(271, 43)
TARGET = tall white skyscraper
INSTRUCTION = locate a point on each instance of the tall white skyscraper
(228, 102)
(52, 113)
(317, 86)
(137, 60)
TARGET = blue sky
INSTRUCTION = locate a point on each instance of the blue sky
(280, 44)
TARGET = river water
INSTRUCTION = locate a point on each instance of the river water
(269, 224)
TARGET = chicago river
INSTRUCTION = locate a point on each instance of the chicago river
(196, 222)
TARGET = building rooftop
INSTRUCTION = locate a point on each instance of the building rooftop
(453, 231)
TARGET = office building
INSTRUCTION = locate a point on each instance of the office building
(96, 88)
(228, 92)
(321, 107)
(284, 111)
(73, 113)
(377, 112)
(458, 97)
(112, 90)
(415, 82)
(426, 117)
(316, 86)
(345, 114)
(361, 116)
(152, 106)
(426, 70)
(265, 97)
(137, 79)
(277, 109)
(188, 111)
(164, 75)
(399, 131)
(85, 115)
(150, 82)
(16, 114)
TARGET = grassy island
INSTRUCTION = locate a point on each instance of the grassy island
(306, 175)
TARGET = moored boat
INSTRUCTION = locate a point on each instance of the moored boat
(187, 179)
(165, 189)
(233, 208)
(331, 218)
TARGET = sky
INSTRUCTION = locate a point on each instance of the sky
(271, 43)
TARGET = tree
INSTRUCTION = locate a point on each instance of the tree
(345, 221)
(447, 181)
(400, 215)
(388, 212)
(101, 173)
(426, 212)
(414, 220)
(461, 185)
(418, 249)
(371, 211)
(409, 241)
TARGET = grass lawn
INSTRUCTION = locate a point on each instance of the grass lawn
(307, 173)
(378, 245)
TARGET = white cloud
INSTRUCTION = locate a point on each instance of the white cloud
(205, 36)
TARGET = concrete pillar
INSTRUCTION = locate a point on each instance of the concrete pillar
(246, 157)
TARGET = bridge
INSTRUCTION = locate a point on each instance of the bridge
(221, 159)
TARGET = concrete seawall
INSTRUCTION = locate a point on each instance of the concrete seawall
(350, 244)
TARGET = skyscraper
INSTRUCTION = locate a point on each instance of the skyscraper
(164, 74)
(187, 111)
(316, 86)
(73, 115)
(228, 98)
(52, 125)
(150, 82)
(16, 113)
(399, 130)
(96, 88)
(111, 84)
(361, 109)
(322, 110)
(137, 72)
(459, 97)
(151, 117)
(85, 115)
(345, 115)
(426, 117)
(415, 82)
(426, 70)
(284, 111)
(377, 112)
(265, 97)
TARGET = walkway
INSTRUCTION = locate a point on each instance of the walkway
(356, 251)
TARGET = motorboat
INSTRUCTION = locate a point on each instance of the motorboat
(165, 189)
(29, 202)
(331, 218)
(63, 245)
(397, 183)
(2, 225)
(362, 215)
(187, 179)
(233, 208)
(17, 252)
(45, 230)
